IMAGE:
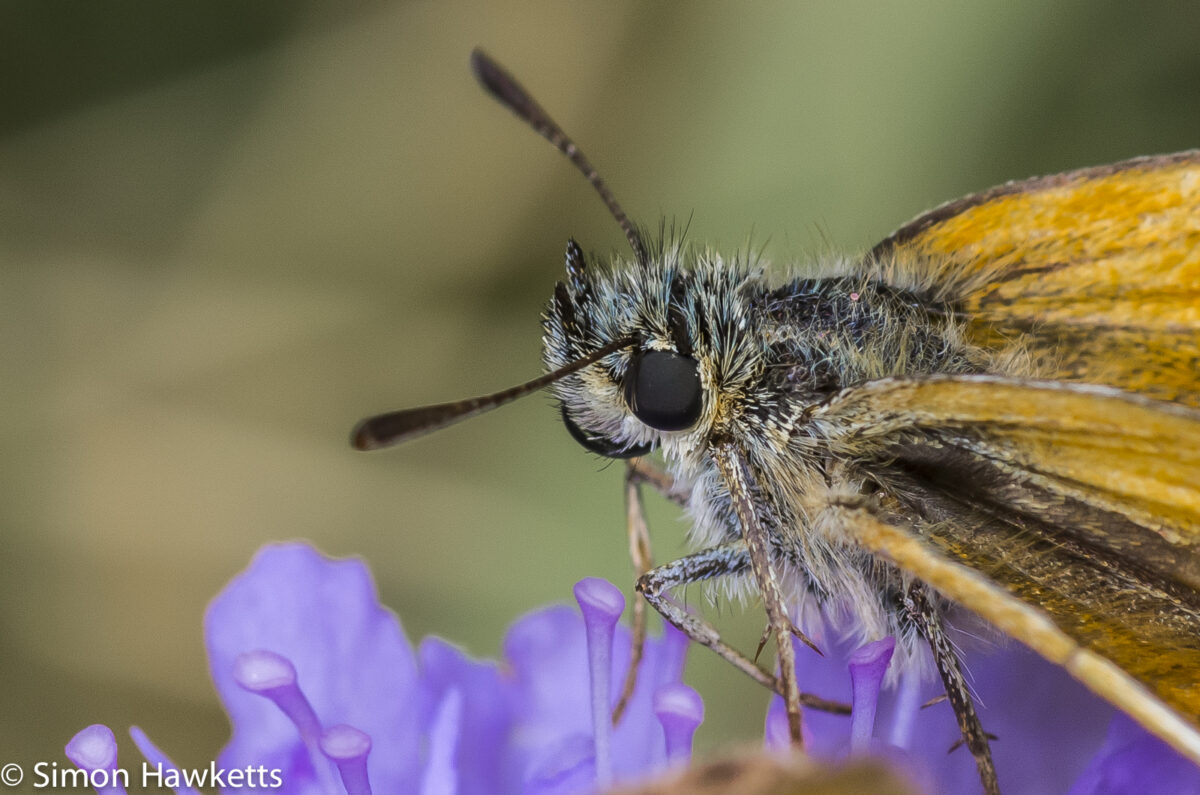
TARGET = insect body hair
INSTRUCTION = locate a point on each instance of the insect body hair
(767, 352)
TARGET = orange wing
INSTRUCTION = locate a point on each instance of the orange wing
(1066, 515)
(1096, 271)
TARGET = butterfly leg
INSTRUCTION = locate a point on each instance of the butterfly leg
(929, 621)
(731, 558)
(637, 472)
(655, 586)
(643, 470)
(739, 478)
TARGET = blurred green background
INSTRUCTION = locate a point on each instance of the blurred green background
(228, 230)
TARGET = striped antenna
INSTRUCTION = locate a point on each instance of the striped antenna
(512, 95)
(385, 430)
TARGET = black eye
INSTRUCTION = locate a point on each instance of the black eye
(600, 445)
(663, 390)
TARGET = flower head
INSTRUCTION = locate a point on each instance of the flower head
(349, 660)
(1047, 726)
(322, 686)
(327, 696)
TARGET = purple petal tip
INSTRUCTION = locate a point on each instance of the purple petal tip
(871, 653)
(343, 742)
(599, 597)
(601, 604)
(261, 670)
(348, 747)
(680, 710)
(868, 664)
(93, 748)
(679, 702)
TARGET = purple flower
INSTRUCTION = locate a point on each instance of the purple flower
(1050, 730)
(351, 663)
(326, 695)
(1131, 760)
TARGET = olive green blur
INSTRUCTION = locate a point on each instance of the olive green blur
(229, 230)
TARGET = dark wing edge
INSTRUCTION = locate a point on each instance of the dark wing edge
(917, 226)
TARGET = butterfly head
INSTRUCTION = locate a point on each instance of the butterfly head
(687, 315)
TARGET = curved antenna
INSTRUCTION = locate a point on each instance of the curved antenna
(385, 430)
(504, 87)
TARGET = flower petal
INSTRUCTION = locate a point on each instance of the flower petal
(1132, 761)
(352, 659)
(480, 762)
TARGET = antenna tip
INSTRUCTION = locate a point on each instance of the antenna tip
(485, 69)
(361, 438)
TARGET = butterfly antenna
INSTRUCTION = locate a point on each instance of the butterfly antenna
(504, 87)
(385, 430)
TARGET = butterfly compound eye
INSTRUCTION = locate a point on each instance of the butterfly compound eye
(663, 390)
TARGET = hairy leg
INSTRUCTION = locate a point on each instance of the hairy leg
(929, 622)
